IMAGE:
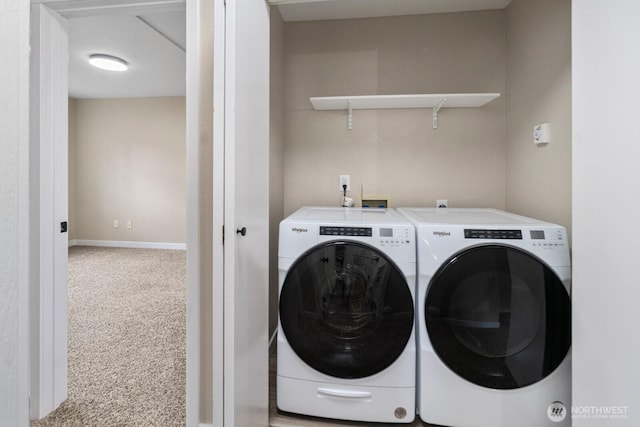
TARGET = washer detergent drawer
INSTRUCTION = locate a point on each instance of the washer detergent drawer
(377, 404)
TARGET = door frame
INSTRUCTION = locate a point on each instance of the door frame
(76, 8)
(218, 211)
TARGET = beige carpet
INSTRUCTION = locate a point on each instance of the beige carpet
(126, 339)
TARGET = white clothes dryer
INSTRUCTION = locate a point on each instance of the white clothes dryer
(346, 340)
(494, 319)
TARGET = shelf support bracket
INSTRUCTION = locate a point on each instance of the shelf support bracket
(350, 117)
(436, 109)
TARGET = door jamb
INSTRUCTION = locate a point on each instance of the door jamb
(218, 210)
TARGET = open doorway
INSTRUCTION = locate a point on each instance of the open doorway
(152, 27)
(127, 188)
(239, 198)
(127, 192)
(127, 151)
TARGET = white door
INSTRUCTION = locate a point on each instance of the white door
(49, 207)
(246, 213)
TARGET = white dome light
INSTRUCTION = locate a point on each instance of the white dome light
(108, 62)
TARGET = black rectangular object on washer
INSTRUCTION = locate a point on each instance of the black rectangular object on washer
(473, 233)
(345, 231)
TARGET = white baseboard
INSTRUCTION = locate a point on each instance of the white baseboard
(127, 244)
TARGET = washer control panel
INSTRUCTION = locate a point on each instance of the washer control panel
(345, 231)
(385, 236)
(395, 236)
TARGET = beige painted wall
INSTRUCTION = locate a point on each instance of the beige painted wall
(539, 91)
(276, 158)
(130, 165)
(205, 206)
(73, 167)
(396, 152)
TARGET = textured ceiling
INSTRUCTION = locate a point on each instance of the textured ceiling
(153, 45)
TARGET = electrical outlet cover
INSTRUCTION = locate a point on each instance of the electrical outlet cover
(345, 179)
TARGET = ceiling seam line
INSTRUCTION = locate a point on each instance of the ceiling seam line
(169, 39)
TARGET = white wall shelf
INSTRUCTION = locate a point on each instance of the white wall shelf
(372, 102)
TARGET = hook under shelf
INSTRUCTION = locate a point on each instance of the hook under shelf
(436, 109)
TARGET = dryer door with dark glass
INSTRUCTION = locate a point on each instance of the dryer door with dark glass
(498, 317)
(346, 309)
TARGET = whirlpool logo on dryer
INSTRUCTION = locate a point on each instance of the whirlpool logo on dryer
(299, 229)
(442, 233)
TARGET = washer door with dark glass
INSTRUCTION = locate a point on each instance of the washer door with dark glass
(346, 309)
(498, 317)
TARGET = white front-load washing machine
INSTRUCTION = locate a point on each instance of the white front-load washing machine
(346, 341)
(494, 319)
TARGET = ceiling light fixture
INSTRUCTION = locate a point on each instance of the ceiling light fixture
(108, 62)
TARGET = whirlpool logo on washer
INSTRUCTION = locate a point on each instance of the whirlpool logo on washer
(442, 233)
(299, 229)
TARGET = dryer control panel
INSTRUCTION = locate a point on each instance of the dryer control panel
(547, 239)
(474, 233)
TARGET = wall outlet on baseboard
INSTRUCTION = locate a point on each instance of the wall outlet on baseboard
(442, 203)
